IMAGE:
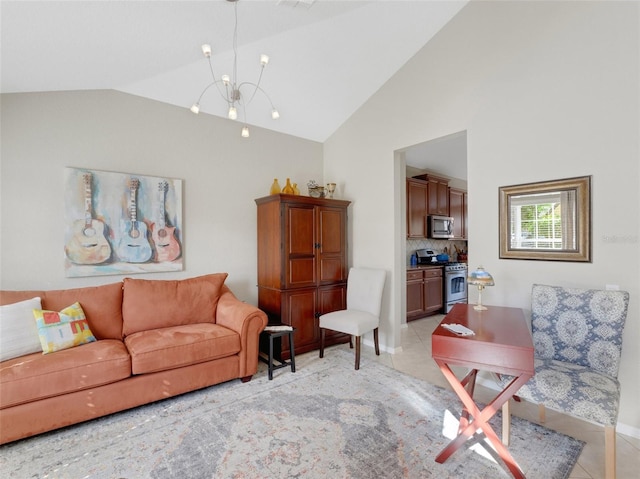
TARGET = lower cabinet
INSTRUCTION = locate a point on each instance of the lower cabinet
(302, 308)
(424, 292)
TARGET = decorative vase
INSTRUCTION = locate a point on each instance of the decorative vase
(275, 187)
(296, 191)
(331, 189)
(288, 189)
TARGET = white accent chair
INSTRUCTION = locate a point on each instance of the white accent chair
(364, 299)
(577, 339)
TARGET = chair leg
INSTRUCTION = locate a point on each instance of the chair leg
(322, 342)
(506, 423)
(351, 342)
(610, 452)
(542, 414)
(357, 352)
(375, 341)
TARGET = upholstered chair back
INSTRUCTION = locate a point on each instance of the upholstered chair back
(579, 326)
(364, 290)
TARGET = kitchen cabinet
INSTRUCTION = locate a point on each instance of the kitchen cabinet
(437, 194)
(302, 265)
(458, 211)
(424, 292)
(417, 200)
(415, 295)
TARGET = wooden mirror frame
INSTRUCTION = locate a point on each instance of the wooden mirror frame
(582, 252)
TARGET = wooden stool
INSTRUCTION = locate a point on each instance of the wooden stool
(274, 332)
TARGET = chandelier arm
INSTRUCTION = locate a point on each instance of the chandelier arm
(205, 91)
(256, 88)
(217, 83)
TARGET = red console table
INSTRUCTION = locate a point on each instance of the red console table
(501, 344)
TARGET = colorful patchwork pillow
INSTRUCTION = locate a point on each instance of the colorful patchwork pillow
(62, 330)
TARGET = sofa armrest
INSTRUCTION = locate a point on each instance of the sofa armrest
(248, 321)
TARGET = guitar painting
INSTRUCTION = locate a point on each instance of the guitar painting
(88, 245)
(167, 247)
(134, 246)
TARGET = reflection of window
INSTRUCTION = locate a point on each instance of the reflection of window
(537, 222)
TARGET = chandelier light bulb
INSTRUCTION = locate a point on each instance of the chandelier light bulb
(264, 59)
(225, 79)
(195, 108)
(275, 114)
(206, 50)
(233, 113)
(245, 132)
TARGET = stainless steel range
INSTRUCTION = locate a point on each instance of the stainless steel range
(455, 285)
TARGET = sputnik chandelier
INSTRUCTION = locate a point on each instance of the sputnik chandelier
(233, 91)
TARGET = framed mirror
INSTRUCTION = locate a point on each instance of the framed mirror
(549, 220)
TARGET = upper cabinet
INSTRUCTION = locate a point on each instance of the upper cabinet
(431, 195)
(438, 195)
(426, 195)
(458, 210)
(417, 200)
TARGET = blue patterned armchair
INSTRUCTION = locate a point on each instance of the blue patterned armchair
(577, 337)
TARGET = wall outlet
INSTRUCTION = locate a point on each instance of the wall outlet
(612, 287)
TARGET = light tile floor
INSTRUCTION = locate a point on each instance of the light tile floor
(415, 360)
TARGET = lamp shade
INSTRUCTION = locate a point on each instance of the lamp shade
(480, 277)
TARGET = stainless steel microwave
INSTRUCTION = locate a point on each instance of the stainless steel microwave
(439, 227)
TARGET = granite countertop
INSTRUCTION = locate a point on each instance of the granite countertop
(423, 266)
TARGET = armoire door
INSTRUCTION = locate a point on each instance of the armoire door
(300, 246)
(331, 241)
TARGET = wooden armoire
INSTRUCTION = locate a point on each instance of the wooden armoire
(302, 265)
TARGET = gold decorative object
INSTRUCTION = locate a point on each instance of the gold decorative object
(288, 189)
(275, 187)
(296, 190)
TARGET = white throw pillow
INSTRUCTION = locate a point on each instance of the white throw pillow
(18, 330)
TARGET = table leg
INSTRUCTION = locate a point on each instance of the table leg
(481, 418)
(292, 353)
(469, 383)
(270, 365)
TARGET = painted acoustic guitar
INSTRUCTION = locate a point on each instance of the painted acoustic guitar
(88, 245)
(167, 247)
(134, 246)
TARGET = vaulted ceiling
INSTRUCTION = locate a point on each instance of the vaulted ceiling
(326, 57)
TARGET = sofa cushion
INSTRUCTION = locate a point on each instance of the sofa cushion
(152, 304)
(37, 376)
(177, 346)
(62, 330)
(18, 332)
(101, 304)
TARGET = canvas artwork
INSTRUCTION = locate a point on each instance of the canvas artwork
(118, 223)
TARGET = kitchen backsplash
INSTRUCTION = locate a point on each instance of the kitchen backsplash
(436, 245)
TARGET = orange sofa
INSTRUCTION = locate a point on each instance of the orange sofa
(154, 339)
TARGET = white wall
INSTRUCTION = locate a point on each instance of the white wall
(545, 90)
(106, 130)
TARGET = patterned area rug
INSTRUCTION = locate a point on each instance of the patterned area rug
(324, 421)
